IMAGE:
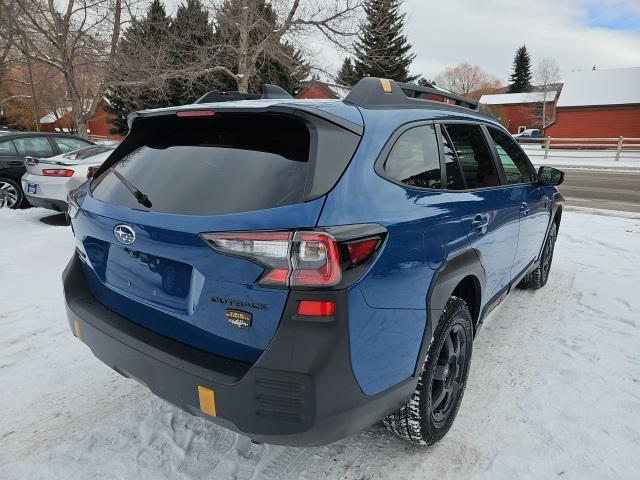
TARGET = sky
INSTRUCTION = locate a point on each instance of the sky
(578, 34)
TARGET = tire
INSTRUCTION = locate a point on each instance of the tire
(423, 420)
(538, 277)
(11, 195)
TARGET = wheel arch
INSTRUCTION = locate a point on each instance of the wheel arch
(461, 275)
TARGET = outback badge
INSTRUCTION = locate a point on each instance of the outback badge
(238, 318)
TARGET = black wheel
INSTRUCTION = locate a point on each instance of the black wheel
(11, 195)
(432, 408)
(538, 277)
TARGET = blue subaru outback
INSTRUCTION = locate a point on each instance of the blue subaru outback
(299, 270)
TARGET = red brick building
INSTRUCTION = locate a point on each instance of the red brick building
(62, 121)
(318, 89)
(599, 103)
(521, 110)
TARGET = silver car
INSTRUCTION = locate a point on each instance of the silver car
(49, 180)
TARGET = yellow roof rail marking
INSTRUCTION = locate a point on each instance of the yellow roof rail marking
(207, 400)
(386, 85)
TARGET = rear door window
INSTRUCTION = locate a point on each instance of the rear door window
(516, 164)
(33, 147)
(208, 166)
(69, 144)
(476, 161)
(414, 158)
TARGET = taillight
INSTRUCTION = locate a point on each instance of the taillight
(296, 259)
(57, 172)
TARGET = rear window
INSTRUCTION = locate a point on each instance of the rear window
(226, 163)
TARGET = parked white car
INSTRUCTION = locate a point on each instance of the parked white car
(49, 180)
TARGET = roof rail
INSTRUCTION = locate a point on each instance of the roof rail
(268, 92)
(382, 92)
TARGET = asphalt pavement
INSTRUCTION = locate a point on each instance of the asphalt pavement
(610, 190)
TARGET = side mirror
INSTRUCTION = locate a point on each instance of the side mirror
(550, 176)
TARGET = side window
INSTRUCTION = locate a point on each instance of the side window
(33, 147)
(517, 167)
(69, 144)
(476, 161)
(7, 149)
(455, 181)
(414, 158)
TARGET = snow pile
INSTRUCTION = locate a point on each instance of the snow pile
(554, 388)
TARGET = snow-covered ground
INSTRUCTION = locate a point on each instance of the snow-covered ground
(629, 159)
(554, 390)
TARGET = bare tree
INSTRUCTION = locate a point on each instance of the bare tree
(464, 79)
(547, 77)
(77, 38)
(246, 33)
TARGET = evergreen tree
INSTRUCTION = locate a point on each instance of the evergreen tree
(520, 80)
(191, 35)
(381, 48)
(347, 74)
(146, 34)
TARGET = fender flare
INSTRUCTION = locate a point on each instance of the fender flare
(446, 279)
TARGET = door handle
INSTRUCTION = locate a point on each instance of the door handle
(524, 208)
(480, 223)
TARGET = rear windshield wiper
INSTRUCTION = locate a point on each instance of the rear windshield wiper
(140, 197)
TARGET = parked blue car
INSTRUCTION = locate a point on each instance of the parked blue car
(299, 270)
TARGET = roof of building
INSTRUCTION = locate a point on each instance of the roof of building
(617, 86)
(517, 98)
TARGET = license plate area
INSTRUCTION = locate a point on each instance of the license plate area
(153, 279)
(32, 188)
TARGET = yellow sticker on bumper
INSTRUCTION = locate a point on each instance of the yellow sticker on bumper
(207, 400)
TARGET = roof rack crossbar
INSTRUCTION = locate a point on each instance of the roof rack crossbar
(379, 92)
(268, 92)
(458, 99)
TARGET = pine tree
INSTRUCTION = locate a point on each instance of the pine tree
(381, 48)
(347, 74)
(146, 34)
(521, 77)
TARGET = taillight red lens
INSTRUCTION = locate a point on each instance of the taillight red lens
(360, 250)
(57, 172)
(312, 308)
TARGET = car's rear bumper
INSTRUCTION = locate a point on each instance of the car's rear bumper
(51, 204)
(300, 392)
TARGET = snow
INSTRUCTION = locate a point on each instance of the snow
(554, 388)
(517, 98)
(629, 159)
(616, 86)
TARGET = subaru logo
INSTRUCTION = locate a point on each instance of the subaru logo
(124, 234)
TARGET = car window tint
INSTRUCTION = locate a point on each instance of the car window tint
(227, 163)
(517, 167)
(475, 158)
(33, 147)
(7, 148)
(69, 144)
(455, 181)
(414, 159)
